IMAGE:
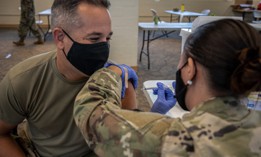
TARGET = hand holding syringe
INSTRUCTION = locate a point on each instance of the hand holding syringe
(155, 89)
(165, 100)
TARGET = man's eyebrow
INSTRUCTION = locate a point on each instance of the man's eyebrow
(97, 33)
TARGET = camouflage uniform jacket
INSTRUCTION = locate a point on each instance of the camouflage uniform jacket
(219, 127)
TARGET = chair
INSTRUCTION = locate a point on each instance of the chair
(200, 21)
(257, 16)
(206, 19)
(205, 12)
(155, 15)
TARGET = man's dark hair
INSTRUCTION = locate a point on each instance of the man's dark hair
(64, 11)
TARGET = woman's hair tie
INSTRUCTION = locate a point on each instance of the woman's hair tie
(248, 54)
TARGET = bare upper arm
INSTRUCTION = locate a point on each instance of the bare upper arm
(5, 127)
(130, 100)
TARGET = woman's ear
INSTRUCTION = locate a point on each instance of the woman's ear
(191, 68)
(58, 36)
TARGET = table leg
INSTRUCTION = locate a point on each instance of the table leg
(148, 48)
(180, 18)
(148, 40)
(243, 15)
(46, 33)
(38, 23)
(189, 18)
(142, 47)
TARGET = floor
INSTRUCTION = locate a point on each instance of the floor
(165, 53)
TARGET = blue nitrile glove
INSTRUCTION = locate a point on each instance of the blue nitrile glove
(132, 76)
(155, 90)
(165, 100)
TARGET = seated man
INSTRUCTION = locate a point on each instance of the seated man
(42, 89)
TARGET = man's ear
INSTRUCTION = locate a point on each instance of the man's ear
(58, 36)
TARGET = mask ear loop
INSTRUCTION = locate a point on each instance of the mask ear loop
(69, 38)
(65, 54)
(175, 95)
(68, 35)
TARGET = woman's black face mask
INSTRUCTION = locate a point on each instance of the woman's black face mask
(181, 89)
(88, 58)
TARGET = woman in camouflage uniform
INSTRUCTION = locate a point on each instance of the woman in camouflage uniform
(27, 23)
(221, 64)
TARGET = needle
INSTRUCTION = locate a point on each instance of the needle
(151, 88)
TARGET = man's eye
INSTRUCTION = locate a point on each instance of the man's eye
(108, 38)
(97, 39)
(94, 39)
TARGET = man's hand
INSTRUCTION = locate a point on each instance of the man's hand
(165, 100)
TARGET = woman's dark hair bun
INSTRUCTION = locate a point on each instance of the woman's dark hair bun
(247, 76)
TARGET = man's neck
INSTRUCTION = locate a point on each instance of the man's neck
(67, 70)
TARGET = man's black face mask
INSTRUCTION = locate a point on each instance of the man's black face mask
(88, 58)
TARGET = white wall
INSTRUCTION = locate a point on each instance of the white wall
(124, 44)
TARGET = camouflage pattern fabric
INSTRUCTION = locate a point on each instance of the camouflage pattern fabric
(24, 142)
(219, 127)
(27, 19)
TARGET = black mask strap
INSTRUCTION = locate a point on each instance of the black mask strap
(175, 96)
(64, 53)
(68, 35)
(69, 38)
